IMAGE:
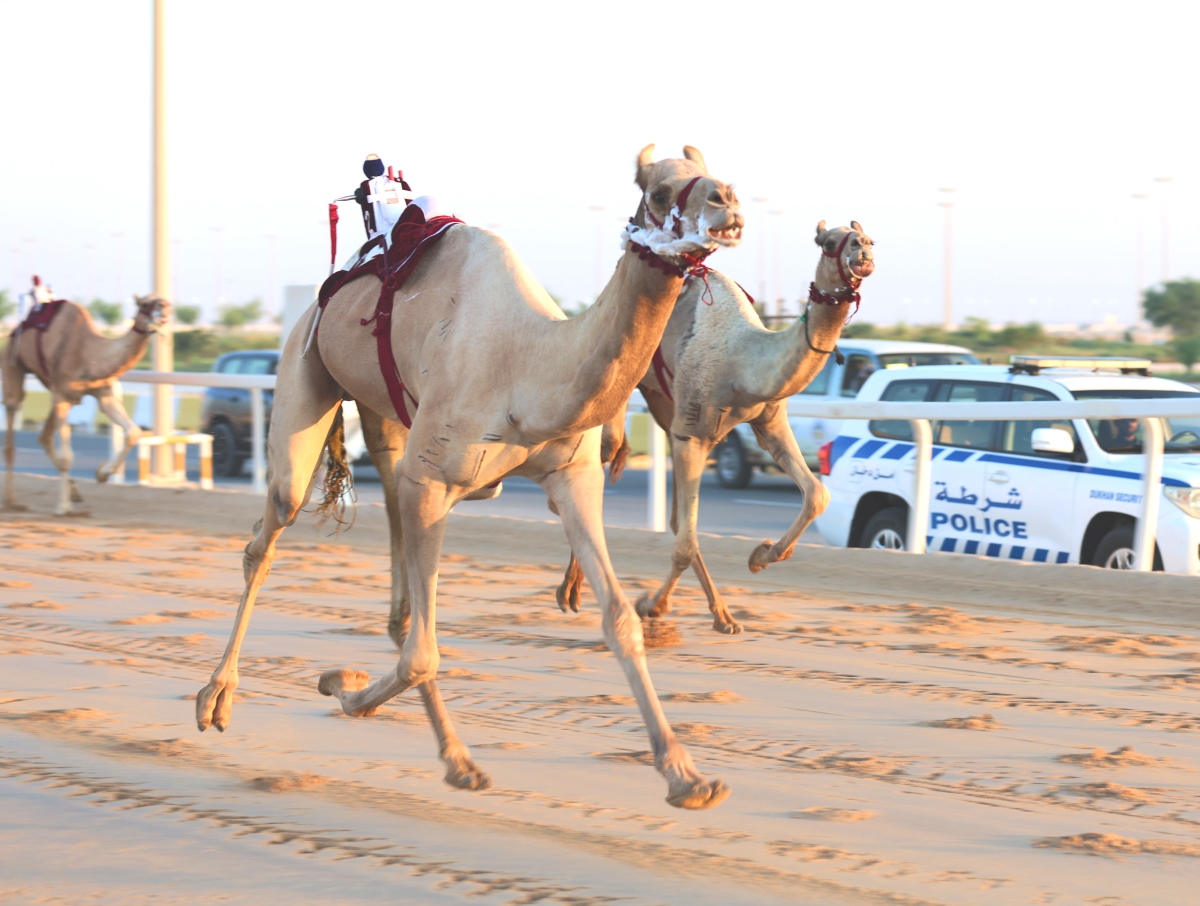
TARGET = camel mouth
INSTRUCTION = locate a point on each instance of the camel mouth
(863, 268)
(729, 235)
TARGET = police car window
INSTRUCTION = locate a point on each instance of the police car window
(913, 391)
(975, 434)
(1017, 436)
(232, 366)
(858, 368)
(1125, 435)
(820, 384)
(910, 359)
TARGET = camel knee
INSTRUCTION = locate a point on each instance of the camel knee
(418, 664)
(683, 555)
(287, 505)
(623, 631)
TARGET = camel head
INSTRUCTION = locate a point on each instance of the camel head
(847, 258)
(152, 313)
(684, 213)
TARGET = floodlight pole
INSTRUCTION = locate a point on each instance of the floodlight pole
(947, 267)
(163, 345)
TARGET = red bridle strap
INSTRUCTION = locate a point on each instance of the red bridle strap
(849, 280)
(676, 208)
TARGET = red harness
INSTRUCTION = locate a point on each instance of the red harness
(410, 239)
(39, 319)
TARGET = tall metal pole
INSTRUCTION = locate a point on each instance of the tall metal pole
(1141, 254)
(1166, 241)
(948, 267)
(163, 349)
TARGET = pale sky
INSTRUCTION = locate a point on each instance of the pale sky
(1046, 117)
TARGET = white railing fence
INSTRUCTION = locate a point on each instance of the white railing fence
(919, 415)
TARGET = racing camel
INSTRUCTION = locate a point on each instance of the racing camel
(719, 367)
(493, 380)
(60, 344)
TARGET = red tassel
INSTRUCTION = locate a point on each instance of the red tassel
(333, 222)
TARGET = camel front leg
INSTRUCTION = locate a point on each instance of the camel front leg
(115, 410)
(10, 458)
(577, 491)
(775, 436)
(294, 456)
(423, 508)
(385, 442)
(57, 428)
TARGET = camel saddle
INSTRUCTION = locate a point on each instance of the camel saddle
(391, 257)
(38, 319)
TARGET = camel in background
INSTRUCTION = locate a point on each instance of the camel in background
(721, 367)
(502, 384)
(60, 344)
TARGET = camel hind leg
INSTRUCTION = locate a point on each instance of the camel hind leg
(306, 405)
(385, 442)
(577, 492)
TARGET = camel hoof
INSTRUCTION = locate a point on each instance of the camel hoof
(468, 778)
(700, 794)
(652, 608)
(101, 475)
(214, 706)
(760, 557)
(727, 625)
(342, 679)
(567, 596)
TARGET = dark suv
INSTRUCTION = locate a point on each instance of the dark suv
(226, 411)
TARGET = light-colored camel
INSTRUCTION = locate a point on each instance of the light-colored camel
(73, 359)
(506, 385)
(719, 368)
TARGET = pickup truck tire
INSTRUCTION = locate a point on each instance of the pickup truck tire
(1116, 551)
(733, 471)
(226, 461)
(887, 529)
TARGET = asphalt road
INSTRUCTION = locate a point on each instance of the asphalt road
(763, 510)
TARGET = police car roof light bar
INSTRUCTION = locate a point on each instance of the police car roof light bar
(1033, 364)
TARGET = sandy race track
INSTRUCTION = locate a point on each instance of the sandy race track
(896, 729)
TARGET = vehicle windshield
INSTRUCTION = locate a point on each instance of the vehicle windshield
(1124, 435)
(911, 359)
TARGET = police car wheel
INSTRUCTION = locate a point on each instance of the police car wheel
(886, 529)
(1115, 550)
(733, 471)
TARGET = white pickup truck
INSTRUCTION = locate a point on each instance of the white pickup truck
(1048, 491)
(739, 454)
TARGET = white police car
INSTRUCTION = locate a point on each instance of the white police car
(1070, 494)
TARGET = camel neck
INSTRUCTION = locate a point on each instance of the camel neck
(796, 355)
(602, 353)
(116, 355)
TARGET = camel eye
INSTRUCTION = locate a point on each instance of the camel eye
(659, 197)
(831, 246)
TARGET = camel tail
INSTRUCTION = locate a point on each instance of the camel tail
(617, 466)
(338, 483)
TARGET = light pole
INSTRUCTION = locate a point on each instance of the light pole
(777, 216)
(947, 263)
(1141, 252)
(597, 286)
(762, 253)
(1166, 243)
(162, 348)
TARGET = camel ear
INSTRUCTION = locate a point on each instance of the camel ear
(695, 157)
(644, 160)
(820, 230)
(854, 225)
